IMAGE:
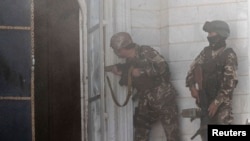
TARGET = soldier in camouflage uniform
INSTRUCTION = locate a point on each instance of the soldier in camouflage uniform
(219, 65)
(156, 95)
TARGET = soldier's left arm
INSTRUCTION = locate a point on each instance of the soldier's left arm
(229, 79)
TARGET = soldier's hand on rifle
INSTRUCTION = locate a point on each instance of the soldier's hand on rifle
(116, 71)
(195, 93)
(136, 72)
(212, 109)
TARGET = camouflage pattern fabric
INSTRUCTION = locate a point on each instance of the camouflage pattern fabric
(153, 106)
(157, 103)
(226, 85)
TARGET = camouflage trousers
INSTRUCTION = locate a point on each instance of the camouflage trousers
(223, 116)
(155, 105)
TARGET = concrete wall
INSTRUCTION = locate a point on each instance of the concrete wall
(174, 27)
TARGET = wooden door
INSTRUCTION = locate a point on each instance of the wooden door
(57, 71)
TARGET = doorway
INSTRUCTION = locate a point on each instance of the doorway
(57, 71)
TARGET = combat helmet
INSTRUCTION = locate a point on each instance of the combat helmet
(120, 40)
(220, 27)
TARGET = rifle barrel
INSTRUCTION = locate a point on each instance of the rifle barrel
(108, 68)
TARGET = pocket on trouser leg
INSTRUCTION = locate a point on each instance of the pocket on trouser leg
(170, 123)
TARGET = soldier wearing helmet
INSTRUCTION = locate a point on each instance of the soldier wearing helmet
(120, 42)
(218, 65)
(218, 32)
(151, 80)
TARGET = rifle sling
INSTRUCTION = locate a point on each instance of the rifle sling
(129, 89)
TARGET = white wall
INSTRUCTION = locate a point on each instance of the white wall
(174, 27)
(145, 22)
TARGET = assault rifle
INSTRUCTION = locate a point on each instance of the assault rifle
(203, 105)
(124, 68)
(140, 83)
(126, 79)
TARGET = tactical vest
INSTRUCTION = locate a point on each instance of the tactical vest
(213, 69)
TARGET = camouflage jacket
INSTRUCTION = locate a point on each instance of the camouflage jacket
(152, 65)
(229, 74)
(150, 61)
